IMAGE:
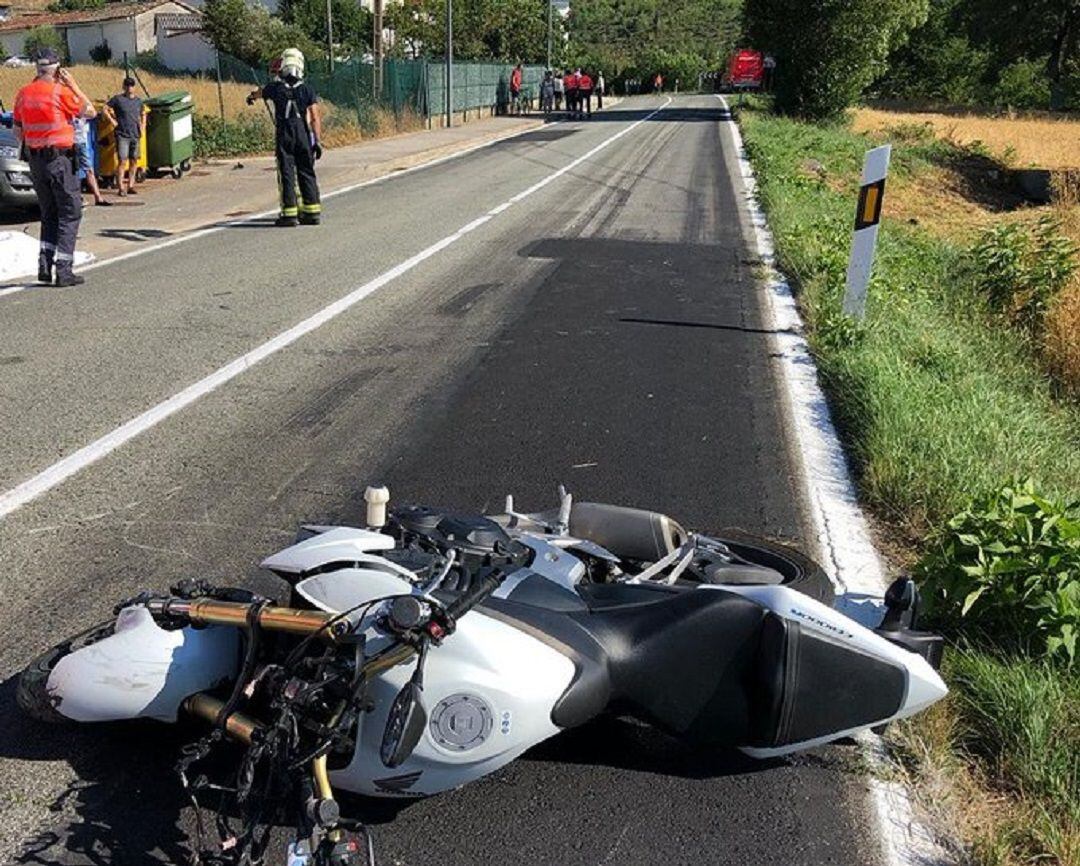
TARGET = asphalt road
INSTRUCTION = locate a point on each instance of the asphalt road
(603, 331)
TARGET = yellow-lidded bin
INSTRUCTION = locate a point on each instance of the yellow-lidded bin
(107, 164)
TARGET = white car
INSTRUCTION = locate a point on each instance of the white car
(16, 61)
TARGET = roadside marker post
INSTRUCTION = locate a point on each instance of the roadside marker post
(867, 220)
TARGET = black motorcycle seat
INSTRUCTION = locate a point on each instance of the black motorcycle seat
(670, 655)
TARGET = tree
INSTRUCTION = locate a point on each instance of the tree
(250, 33)
(1014, 51)
(939, 61)
(677, 38)
(505, 30)
(74, 5)
(44, 37)
(828, 51)
(351, 23)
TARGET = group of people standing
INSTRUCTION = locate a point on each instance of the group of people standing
(576, 87)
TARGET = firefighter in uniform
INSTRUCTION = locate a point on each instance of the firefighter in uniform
(297, 130)
(44, 110)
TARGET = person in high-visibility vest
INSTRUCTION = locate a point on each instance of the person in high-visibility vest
(585, 87)
(570, 85)
(44, 111)
(297, 134)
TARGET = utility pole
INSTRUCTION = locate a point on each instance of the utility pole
(449, 62)
(551, 6)
(330, 34)
(377, 44)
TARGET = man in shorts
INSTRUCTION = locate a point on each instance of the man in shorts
(125, 110)
(86, 165)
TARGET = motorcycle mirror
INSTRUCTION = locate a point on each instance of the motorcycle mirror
(404, 725)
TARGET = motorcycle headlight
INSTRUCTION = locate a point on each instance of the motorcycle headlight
(8, 151)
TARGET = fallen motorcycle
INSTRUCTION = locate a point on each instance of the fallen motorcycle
(431, 648)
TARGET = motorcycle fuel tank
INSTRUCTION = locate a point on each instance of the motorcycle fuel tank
(488, 692)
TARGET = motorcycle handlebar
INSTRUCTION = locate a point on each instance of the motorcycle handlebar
(475, 594)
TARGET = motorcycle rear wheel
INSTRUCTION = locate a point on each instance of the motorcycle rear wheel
(32, 694)
(800, 572)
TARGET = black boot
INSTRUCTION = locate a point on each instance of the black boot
(44, 271)
(286, 221)
(67, 278)
(310, 219)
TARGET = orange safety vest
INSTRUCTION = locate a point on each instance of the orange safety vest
(570, 82)
(585, 82)
(44, 110)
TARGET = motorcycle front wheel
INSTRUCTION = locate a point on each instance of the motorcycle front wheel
(32, 694)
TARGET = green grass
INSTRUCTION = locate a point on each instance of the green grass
(1023, 720)
(935, 401)
(938, 402)
(1018, 724)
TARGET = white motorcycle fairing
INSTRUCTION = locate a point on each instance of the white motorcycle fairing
(142, 670)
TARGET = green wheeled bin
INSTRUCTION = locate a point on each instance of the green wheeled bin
(168, 133)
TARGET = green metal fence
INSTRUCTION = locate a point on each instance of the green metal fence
(419, 85)
(477, 85)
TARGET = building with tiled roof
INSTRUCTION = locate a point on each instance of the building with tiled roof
(124, 27)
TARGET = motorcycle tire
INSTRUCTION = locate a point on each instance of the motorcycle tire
(800, 572)
(32, 693)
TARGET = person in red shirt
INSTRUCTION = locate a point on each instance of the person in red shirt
(585, 88)
(570, 85)
(44, 110)
(515, 90)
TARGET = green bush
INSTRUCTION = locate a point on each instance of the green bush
(1020, 270)
(74, 5)
(1023, 84)
(233, 138)
(44, 37)
(1010, 566)
(101, 53)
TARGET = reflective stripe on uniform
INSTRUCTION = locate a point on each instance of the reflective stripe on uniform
(47, 247)
(289, 211)
(311, 208)
(64, 257)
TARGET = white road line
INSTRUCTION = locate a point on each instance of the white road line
(79, 460)
(843, 535)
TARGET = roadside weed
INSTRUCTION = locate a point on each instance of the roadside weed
(1010, 565)
(1021, 270)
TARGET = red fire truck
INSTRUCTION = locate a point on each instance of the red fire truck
(746, 70)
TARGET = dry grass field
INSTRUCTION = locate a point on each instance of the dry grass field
(101, 82)
(1040, 140)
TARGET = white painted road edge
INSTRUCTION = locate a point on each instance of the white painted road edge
(252, 217)
(841, 532)
(63, 469)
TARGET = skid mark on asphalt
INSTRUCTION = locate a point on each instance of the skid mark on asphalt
(63, 469)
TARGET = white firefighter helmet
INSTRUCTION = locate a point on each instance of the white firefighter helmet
(292, 63)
